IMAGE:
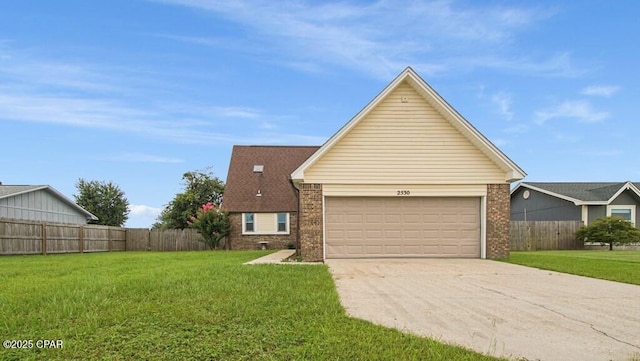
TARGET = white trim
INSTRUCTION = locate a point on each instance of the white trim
(483, 227)
(324, 230)
(585, 214)
(256, 224)
(88, 215)
(483, 224)
(631, 207)
(578, 202)
(512, 171)
(575, 201)
(626, 186)
(416, 190)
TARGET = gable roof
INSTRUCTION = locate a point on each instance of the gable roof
(512, 171)
(7, 191)
(274, 184)
(582, 193)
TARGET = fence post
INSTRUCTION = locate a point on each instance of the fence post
(109, 237)
(44, 239)
(81, 239)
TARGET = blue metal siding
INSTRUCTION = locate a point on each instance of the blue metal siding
(40, 205)
(542, 207)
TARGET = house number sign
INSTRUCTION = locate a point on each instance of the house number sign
(403, 192)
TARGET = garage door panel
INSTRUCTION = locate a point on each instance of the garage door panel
(402, 227)
(371, 249)
(373, 218)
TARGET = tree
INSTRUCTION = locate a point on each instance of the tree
(200, 187)
(212, 223)
(105, 200)
(611, 230)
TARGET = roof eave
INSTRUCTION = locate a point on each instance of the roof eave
(298, 175)
(575, 201)
(88, 215)
(627, 186)
(512, 171)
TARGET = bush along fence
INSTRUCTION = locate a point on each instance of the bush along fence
(25, 237)
(544, 235)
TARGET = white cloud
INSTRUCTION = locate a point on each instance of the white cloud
(305, 35)
(516, 129)
(566, 138)
(580, 110)
(500, 142)
(91, 96)
(141, 210)
(142, 158)
(600, 153)
(503, 101)
(601, 90)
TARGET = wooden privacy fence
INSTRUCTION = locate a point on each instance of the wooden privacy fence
(142, 239)
(544, 235)
(24, 237)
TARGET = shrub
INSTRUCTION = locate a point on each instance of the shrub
(212, 223)
(611, 230)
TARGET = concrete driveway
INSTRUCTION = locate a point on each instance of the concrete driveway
(495, 308)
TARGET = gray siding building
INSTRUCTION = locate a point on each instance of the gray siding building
(571, 201)
(40, 203)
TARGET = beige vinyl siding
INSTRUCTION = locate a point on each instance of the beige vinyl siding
(415, 190)
(404, 143)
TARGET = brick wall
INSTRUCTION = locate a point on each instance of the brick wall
(498, 214)
(276, 241)
(311, 222)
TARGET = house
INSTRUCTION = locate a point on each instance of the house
(575, 201)
(408, 176)
(260, 197)
(40, 203)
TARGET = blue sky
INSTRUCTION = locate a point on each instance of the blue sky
(139, 92)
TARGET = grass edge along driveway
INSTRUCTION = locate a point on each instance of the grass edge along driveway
(620, 266)
(190, 305)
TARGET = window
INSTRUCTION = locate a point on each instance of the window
(282, 222)
(265, 223)
(622, 211)
(249, 222)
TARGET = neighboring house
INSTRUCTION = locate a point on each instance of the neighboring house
(260, 198)
(408, 176)
(575, 201)
(40, 203)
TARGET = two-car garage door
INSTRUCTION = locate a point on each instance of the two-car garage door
(402, 227)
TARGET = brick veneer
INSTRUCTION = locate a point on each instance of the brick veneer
(276, 241)
(311, 221)
(498, 217)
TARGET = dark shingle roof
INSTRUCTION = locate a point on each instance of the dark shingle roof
(277, 192)
(583, 191)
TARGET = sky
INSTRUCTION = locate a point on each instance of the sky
(138, 92)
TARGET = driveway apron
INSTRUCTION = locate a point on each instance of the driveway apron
(495, 308)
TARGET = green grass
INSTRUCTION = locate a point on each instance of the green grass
(189, 306)
(621, 266)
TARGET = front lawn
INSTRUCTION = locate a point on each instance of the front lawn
(189, 306)
(621, 266)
